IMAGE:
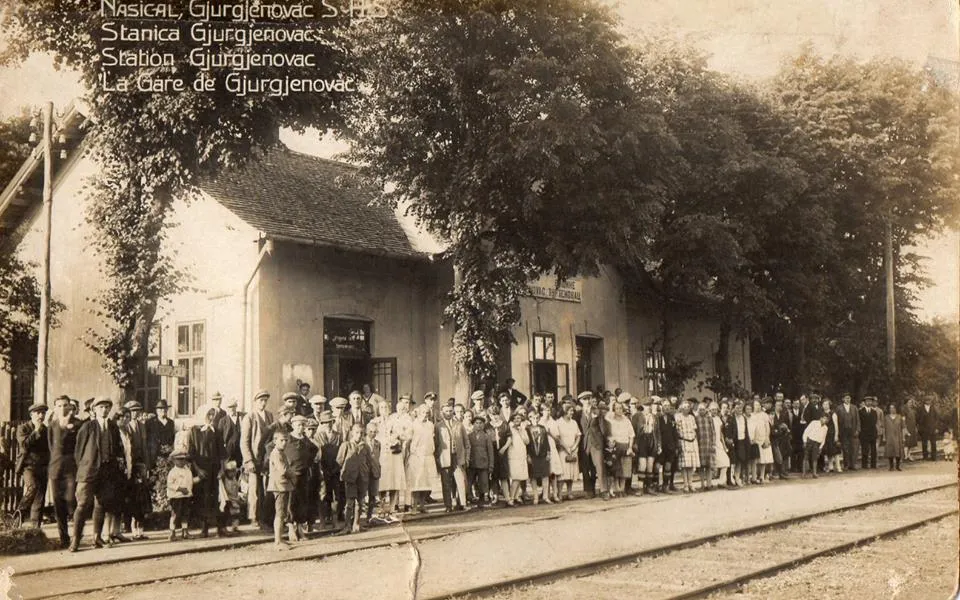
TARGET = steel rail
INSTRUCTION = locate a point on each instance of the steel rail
(552, 575)
(592, 567)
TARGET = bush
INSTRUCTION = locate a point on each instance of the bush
(158, 494)
(23, 541)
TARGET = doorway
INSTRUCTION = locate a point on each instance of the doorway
(348, 364)
(589, 362)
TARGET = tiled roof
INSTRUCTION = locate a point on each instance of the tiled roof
(284, 193)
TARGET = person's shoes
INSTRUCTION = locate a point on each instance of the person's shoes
(815, 476)
(448, 510)
(74, 546)
(344, 531)
(899, 469)
(458, 508)
(110, 542)
(221, 532)
(64, 542)
(204, 532)
(98, 542)
(186, 534)
(173, 536)
(120, 538)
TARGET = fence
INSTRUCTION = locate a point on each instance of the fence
(10, 488)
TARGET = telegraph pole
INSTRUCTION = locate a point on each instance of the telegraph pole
(44, 333)
(891, 306)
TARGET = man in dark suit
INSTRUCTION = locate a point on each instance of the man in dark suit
(207, 452)
(97, 451)
(868, 433)
(594, 439)
(62, 436)
(796, 434)
(32, 462)
(160, 433)
(452, 449)
(517, 398)
(229, 427)
(927, 429)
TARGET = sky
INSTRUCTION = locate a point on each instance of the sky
(746, 38)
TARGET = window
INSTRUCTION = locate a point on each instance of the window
(191, 348)
(544, 346)
(546, 375)
(655, 372)
(146, 377)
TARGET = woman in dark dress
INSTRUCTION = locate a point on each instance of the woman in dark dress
(538, 456)
(500, 432)
(831, 448)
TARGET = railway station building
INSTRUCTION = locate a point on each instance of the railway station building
(294, 275)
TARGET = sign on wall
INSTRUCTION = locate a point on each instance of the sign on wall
(547, 288)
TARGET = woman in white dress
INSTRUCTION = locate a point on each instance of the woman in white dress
(421, 464)
(516, 451)
(568, 441)
(394, 432)
(722, 460)
(760, 436)
(556, 463)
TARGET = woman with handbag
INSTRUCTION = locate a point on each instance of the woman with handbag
(620, 437)
(393, 433)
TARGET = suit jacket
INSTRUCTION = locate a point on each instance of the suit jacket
(63, 442)
(481, 450)
(868, 424)
(450, 436)
(538, 448)
(206, 450)
(374, 446)
(517, 398)
(137, 430)
(638, 421)
(96, 448)
(669, 436)
(230, 432)
(731, 432)
(595, 431)
(159, 435)
(848, 419)
(356, 462)
(253, 440)
(34, 448)
(808, 413)
(926, 421)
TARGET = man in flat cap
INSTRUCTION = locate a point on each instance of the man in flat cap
(254, 429)
(342, 418)
(62, 435)
(138, 431)
(97, 452)
(229, 427)
(433, 409)
(329, 440)
(301, 453)
(217, 400)
(32, 462)
(318, 404)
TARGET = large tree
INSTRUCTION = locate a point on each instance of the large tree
(153, 147)
(517, 135)
(878, 140)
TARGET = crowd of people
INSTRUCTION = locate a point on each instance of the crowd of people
(319, 464)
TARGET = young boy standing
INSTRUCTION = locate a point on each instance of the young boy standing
(279, 483)
(814, 439)
(180, 482)
(480, 460)
(373, 486)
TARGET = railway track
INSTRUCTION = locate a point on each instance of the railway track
(714, 563)
(108, 578)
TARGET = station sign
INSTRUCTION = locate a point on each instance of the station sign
(548, 288)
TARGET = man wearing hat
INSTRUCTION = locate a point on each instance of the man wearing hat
(32, 462)
(328, 440)
(138, 430)
(229, 427)
(254, 428)
(290, 400)
(207, 451)
(433, 410)
(300, 453)
(318, 404)
(849, 421)
(216, 400)
(869, 425)
(342, 418)
(160, 433)
(62, 435)
(98, 448)
(480, 460)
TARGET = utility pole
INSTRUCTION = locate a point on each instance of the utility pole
(891, 307)
(42, 349)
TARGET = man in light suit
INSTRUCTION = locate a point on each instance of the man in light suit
(253, 430)
(594, 427)
(452, 450)
(849, 421)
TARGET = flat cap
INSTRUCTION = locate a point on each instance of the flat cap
(298, 419)
(584, 395)
(38, 407)
(261, 394)
(477, 395)
(102, 400)
(133, 405)
(326, 416)
(231, 402)
(318, 399)
(430, 395)
(290, 396)
(338, 402)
